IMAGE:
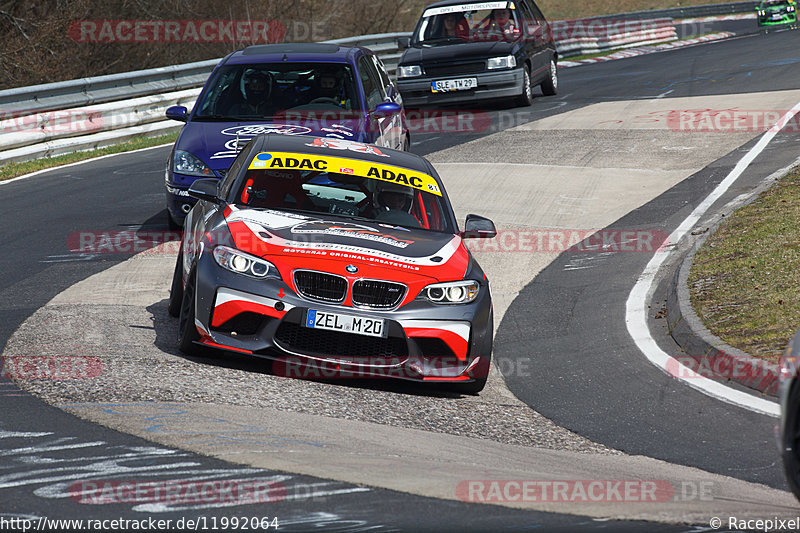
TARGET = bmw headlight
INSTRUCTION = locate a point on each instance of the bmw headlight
(451, 292)
(501, 62)
(190, 165)
(409, 71)
(246, 264)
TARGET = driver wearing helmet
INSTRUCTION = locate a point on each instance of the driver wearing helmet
(393, 204)
(327, 88)
(257, 89)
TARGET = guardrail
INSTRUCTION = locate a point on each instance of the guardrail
(595, 35)
(689, 12)
(104, 110)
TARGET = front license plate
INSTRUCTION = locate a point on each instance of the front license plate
(373, 327)
(463, 84)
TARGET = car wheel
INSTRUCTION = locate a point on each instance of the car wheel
(791, 440)
(550, 84)
(172, 223)
(187, 331)
(478, 384)
(526, 97)
(176, 289)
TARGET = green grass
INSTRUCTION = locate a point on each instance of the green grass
(745, 280)
(13, 170)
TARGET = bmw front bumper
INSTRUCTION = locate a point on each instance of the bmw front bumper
(265, 318)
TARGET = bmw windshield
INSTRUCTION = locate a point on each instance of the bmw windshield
(266, 90)
(381, 193)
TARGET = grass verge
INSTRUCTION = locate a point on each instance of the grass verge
(13, 170)
(745, 280)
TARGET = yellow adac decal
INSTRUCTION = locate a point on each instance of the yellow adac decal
(343, 165)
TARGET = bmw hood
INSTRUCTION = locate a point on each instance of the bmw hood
(374, 248)
(218, 143)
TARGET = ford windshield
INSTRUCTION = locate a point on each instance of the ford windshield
(266, 90)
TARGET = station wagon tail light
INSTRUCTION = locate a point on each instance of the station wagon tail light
(501, 62)
(246, 264)
(409, 71)
(190, 165)
(453, 292)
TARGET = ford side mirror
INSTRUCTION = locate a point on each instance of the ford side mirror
(478, 227)
(177, 112)
(206, 189)
(403, 42)
(387, 109)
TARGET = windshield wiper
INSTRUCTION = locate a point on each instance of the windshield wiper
(215, 118)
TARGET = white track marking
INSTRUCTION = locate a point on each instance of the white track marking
(636, 305)
(32, 174)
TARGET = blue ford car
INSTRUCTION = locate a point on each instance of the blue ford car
(325, 90)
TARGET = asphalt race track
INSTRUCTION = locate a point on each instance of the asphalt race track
(601, 155)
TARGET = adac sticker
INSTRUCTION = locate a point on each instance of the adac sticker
(342, 165)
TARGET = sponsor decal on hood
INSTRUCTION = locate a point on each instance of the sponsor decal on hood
(341, 165)
(269, 232)
(242, 135)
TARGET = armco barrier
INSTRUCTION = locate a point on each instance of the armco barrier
(689, 12)
(116, 99)
(591, 36)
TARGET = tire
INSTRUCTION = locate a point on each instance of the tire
(550, 85)
(525, 99)
(790, 439)
(472, 388)
(187, 331)
(482, 369)
(172, 223)
(176, 289)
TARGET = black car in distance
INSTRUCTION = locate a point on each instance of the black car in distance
(467, 51)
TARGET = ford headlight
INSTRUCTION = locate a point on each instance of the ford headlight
(190, 165)
(501, 62)
(409, 71)
(246, 264)
(452, 292)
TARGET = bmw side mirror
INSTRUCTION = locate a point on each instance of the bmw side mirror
(387, 109)
(478, 227)
(177, 112)
(403, 42)
(206, 189)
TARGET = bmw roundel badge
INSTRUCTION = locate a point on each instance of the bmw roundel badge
(352, 269)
